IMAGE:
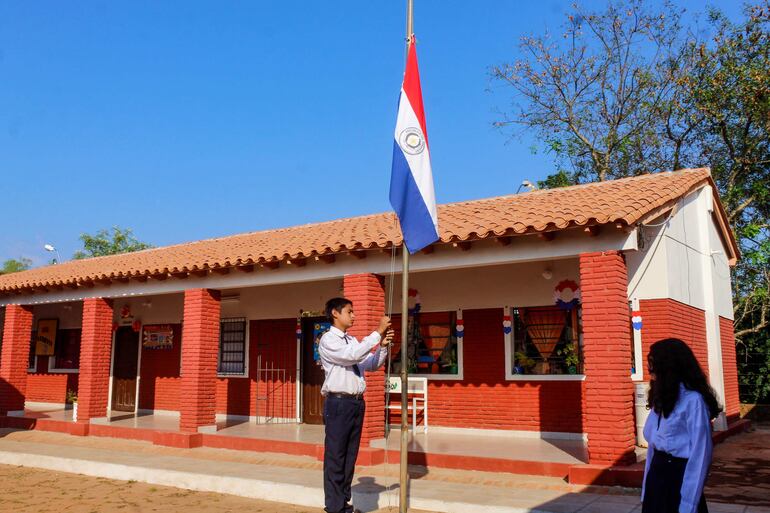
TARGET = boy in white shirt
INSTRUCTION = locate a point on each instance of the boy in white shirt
(344, 361)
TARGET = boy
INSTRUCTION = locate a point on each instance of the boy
(344, 360)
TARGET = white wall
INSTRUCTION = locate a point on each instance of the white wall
(684, 245)
(673, 256)
(648, 267)
(281, 301)
(70, 315)
(487, 287)
(723, 286)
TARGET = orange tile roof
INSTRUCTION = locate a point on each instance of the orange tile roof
(625, 201)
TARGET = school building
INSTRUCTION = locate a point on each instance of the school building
(530, 321)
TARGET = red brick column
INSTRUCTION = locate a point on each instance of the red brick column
(95, 352)
(200, 347)
(732, 404)
(608, 415)
(17, 332)
(367, 291)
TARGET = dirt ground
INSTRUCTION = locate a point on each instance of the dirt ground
(740, 472)
(27, 490)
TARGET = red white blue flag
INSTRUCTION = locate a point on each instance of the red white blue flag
(411, 179)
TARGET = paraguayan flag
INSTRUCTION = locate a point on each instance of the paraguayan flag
(411, 179)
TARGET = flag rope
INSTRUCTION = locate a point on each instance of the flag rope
(390, 490)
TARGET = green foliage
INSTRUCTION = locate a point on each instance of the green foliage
(106, 242)
(570, 354)
(13, 265)
(556, 180)
(753, 356)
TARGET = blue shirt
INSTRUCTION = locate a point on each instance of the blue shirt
(686, 433)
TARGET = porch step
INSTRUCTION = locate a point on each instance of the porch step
(300, 486)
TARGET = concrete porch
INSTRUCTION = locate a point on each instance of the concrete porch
(447, 448)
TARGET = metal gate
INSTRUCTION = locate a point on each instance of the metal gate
(276, 389)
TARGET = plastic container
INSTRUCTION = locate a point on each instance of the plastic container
(641, 412)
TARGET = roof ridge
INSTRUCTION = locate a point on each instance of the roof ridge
(540, 192)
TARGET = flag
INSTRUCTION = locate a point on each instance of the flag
(411, 179)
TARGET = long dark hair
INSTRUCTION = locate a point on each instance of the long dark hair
(672, 362)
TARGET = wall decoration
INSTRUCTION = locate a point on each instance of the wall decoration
(414, 304)
(158, 336)
(45, 339)
(507, 324)
(566, 294)
(319, 329)
(459, 326)
(636, 320)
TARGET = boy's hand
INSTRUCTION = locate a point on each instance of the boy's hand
(387, 339)
(384, 326)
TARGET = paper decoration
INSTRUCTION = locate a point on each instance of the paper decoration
(46, 337)
(566, 294)
(636, 320)
(158, 336)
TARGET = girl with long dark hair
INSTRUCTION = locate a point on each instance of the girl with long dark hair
(678, 430)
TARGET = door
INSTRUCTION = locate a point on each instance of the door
(312, 372)
(124, 369)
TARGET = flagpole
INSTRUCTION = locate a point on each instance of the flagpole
(404, 474)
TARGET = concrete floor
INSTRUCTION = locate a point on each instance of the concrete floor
(497, 444)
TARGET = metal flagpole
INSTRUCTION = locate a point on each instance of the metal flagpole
(404, 475)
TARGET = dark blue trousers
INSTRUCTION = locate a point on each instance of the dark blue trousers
(663, 485)
(344, 418)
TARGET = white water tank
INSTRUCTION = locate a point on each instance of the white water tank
(641, 412)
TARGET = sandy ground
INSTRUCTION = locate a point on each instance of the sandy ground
(26, 490)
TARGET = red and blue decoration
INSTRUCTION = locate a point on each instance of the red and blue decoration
(636, 320)
(566, 294)
(459, 329)
(414, 299)
(507, 324)
(298, 331)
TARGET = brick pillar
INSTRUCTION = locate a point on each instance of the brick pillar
(732, 404)
(367, 291)
(95, 352)
(200, 348)
(17, 332)
(608, 416)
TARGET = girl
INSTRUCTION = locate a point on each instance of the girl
(678, 430)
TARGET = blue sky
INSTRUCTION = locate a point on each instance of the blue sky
(189, 120)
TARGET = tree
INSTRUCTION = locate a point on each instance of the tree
(106, 242)
(13, 265)
(734, 99)
(596, 94)
(629, 91)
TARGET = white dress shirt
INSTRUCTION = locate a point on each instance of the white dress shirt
(340, 352)
(686, 433)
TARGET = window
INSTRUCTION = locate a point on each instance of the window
(232, 347)
(66, 356)
(435, 350)
(544, 341)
